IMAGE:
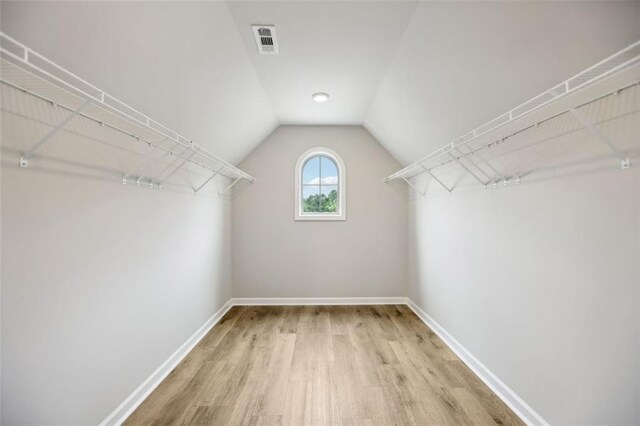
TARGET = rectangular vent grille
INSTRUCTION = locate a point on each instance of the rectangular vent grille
(265, 36)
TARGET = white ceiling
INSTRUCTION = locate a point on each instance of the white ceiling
(342, 48)
(415, 74)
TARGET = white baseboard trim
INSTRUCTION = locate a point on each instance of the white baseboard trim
(124, 410)
(128, 406)
(508, 396)
(286, 301)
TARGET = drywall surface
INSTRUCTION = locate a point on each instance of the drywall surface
(443, 83)
(359, 40)
(101, 282)
(541, 281)
(275, 256)
(181, 63)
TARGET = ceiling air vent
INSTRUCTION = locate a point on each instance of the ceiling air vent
(266, 41)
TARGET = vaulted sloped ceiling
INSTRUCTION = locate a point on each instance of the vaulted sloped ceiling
(416, 74)
(461, 64)
(181, 63)
(342, 48)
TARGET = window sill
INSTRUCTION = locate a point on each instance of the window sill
(320, 218)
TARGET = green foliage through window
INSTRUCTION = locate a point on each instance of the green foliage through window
(321, 203)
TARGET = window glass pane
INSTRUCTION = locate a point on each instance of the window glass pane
(311, 171)
(311, 199)
(329, 199)
(308, 190)
(319, 189)
(329, 171)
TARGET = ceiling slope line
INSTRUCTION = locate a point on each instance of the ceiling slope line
(393, 57)
(255, 74)
(386, 71)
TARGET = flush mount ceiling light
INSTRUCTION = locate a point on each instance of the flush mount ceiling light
(320, 97)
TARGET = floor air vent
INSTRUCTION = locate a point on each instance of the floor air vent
(266, 41)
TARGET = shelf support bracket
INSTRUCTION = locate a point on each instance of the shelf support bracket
(208, 179)
(144, 160)
(457, 160)
(437, 180)
(184, 161)
(241, 189)
(167, 167)
(415, 188)
(397, 189)
(24, 160)
(468, 158)
(482, 159)
(229, 187)
(624, 162)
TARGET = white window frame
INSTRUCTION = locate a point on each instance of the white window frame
(342, 187)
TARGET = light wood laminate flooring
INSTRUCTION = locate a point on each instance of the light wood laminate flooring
(322, 365)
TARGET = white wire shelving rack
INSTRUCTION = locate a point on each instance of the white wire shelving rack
(30, 73)
(607, 77)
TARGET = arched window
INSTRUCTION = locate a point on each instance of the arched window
(320, 186)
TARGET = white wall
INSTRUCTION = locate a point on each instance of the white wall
(541, 281)
(275, 256)
(100, 282)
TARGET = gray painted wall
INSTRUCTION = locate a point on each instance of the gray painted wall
(100, 282)
(541, 282)
(275, 256)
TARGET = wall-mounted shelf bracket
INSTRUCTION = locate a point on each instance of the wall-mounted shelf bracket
(162, 172)
(229, 187)
(624, 162)
(415, 188)
(468, 157)
(457, 160)
(239, 191)
(146, 157)
(24, 160)
(195, 190)
(174, 171)
(488, 164)
(438, 180)
(494, 185)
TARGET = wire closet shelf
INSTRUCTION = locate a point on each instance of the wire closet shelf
(32, 74)
(608, 77)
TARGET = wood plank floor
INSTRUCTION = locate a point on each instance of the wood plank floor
(322, 365)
